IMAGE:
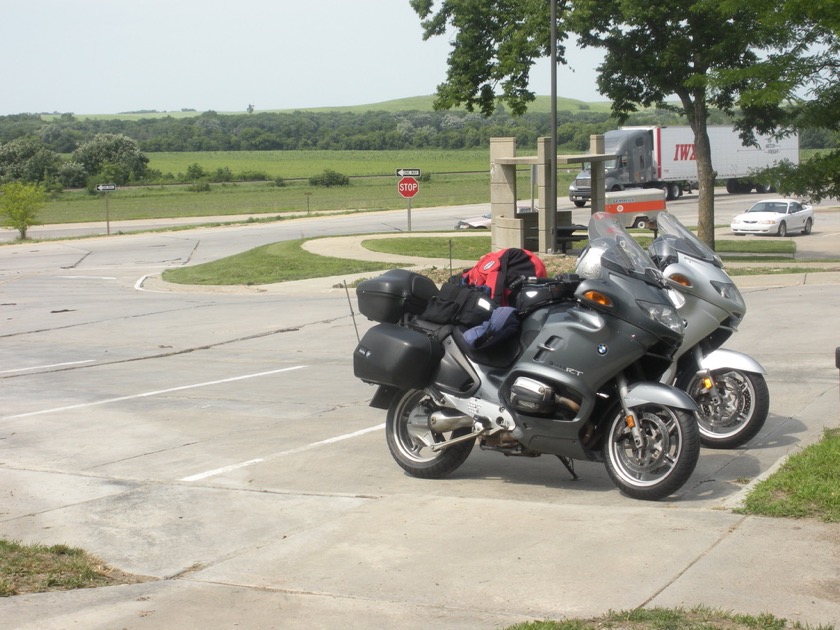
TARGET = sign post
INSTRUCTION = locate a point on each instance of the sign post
(408, 187)
(107, 188)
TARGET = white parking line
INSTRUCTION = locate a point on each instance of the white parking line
(154, 393)
(46, 367)
(300, 449)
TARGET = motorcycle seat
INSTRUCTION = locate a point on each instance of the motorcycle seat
(500, 355)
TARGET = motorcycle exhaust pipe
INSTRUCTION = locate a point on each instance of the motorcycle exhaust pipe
(444, 420)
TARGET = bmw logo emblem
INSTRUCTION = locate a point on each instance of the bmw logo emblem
(602, 349)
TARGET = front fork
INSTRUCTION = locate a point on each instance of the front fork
(706, 380)
(630, 418)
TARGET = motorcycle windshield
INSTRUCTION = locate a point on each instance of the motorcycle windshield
(684, 240)
(618, 250)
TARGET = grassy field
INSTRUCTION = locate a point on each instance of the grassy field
(450, 178)
(259, 199)
(304, 164)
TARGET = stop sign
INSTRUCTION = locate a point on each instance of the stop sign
(408, 187)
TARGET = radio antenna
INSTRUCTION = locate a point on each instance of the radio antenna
(352, 314)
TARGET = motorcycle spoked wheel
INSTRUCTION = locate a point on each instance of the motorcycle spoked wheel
(410, 438)
(666, 460)
(744, 404)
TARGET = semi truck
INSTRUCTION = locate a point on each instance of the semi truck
(664, 158)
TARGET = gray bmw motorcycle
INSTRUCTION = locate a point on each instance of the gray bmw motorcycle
(580, 380)
(728, 386)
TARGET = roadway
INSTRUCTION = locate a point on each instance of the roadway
(217, 441)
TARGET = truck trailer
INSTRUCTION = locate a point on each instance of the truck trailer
(635, 207)
(664, 158)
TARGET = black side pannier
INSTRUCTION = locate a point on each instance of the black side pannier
(388, 297)
(394, 355)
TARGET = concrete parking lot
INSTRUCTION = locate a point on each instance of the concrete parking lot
(217, 442)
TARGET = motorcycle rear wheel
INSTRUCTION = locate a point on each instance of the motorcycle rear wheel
(410, 438)
(665, 461)
(745, 403)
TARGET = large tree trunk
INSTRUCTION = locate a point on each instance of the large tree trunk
(698, 119)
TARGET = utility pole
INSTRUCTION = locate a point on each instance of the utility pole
(551, 185)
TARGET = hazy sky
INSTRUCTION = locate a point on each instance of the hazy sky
(109, 56)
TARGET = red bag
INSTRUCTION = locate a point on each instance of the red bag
(497, 270)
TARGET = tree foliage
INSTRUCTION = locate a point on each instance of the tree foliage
(706, 52)
(495, 46)
(19, 204)
(658, 48)
(114, 157)
(26, 159)
(795, 87)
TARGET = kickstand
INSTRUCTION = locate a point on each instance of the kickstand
(569, 463)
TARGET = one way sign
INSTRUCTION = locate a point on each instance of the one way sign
(408, 172)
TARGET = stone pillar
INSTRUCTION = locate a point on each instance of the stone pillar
(547, 232)
(504, 229)
(502, 178)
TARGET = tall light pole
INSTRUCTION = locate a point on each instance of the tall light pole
(551, 188)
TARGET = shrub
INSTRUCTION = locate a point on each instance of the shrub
(253, 176)
(202, 186)
(72, 175)
(328, 179)
(19, 205)
(223, 174)
(195, 171)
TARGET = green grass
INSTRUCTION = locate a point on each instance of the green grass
(286, 260)
(39, 568)
(461, 248)
(304, 164)
(277, 262)
(261, 199)
(806, 486)
(755, 246)
(697, 618)
(258, 199)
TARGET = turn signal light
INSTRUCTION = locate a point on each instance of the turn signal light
(680, 279)
(598, 298)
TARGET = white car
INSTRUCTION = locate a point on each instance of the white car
(475, 223)
(775, 216)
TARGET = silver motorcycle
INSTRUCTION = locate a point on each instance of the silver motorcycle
(728, 386)
(581, 379)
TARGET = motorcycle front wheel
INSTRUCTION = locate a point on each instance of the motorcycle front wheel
(410, 439)
(744, 402)
(665, 460)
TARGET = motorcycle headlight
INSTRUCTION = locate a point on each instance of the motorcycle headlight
(664, 314)
(729, 291)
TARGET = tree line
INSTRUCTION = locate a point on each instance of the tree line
(70, 152)
(372, 130)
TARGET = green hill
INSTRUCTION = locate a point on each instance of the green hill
(542, 104)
